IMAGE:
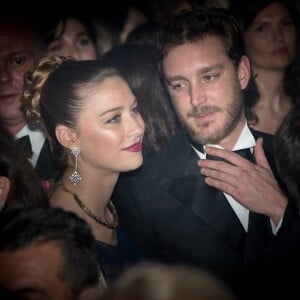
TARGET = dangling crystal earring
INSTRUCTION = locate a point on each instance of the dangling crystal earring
(75, 177)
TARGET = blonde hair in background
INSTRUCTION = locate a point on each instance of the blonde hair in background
(34, 81)
(164, 282)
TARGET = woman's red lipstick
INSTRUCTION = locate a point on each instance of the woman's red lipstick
(137, 147)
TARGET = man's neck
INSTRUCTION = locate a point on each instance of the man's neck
(229, 141)
(15, 128)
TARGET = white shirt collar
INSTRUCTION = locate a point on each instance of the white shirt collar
(37, 139)
(245, 140)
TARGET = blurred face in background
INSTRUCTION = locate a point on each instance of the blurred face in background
(34, 273)
(271, 38)
(17, 54)
(73, 39)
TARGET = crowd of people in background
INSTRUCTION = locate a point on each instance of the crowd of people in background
(150, 151)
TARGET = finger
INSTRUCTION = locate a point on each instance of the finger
(223, 186)
(219, 175)
(216, 165)
(233, 158)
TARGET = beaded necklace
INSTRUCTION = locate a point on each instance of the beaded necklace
(99, 220)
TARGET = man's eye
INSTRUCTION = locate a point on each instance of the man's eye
(178, 86)
(210, 78)
(18, 61)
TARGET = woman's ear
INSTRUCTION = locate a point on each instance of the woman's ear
(66, 136)
(244, 72)
(4, 190)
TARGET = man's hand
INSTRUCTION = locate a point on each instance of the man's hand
(252, 185)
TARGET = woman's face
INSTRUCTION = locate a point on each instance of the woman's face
(72, 40)
(271, 38)
(110, 128)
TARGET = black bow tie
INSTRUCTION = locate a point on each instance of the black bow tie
(25, 144)
(246, 153)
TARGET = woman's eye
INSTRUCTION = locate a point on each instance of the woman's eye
(287, 22)
(260, 28)
(135, 110)
(55, 48)
(84, 42)
(115, 119)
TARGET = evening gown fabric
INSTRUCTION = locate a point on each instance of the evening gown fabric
(115, 259)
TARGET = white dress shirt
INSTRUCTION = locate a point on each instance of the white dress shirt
(245, 140)
(37, 139)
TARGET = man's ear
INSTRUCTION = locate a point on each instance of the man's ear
(4, 189)
(66, 136)
(244, 71)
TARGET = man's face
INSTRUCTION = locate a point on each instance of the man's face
(17, 54)
(206, 89)
(34, 273)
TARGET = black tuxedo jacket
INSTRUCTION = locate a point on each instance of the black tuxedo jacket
(46, 167)
(163, 208)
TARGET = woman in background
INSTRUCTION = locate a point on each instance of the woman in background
(139, 65)
(70, 35)
(271, 36)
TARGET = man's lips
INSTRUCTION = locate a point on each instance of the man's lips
(137, 147)
(280, 50)
(204, 116)
(8, 97)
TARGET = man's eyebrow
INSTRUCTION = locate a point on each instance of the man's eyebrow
(211, 68)
(200, 71)
(17, 52)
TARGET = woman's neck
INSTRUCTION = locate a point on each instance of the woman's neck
(270, 84)
(94, 191)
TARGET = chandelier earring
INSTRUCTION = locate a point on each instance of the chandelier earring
(75, 177)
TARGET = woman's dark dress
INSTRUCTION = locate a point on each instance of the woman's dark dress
(114, 260)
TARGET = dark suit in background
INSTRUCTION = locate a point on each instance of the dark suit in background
(46, 167)
(37, 149)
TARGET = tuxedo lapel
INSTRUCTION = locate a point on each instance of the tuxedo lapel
(45, 166)
(190, 189)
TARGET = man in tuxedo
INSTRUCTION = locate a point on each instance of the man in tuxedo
(19, 47)
(223, 216)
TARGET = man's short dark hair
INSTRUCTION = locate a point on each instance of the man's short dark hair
(193, 25)
(32, 226)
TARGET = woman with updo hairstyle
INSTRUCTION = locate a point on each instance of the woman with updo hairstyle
(95, 130)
